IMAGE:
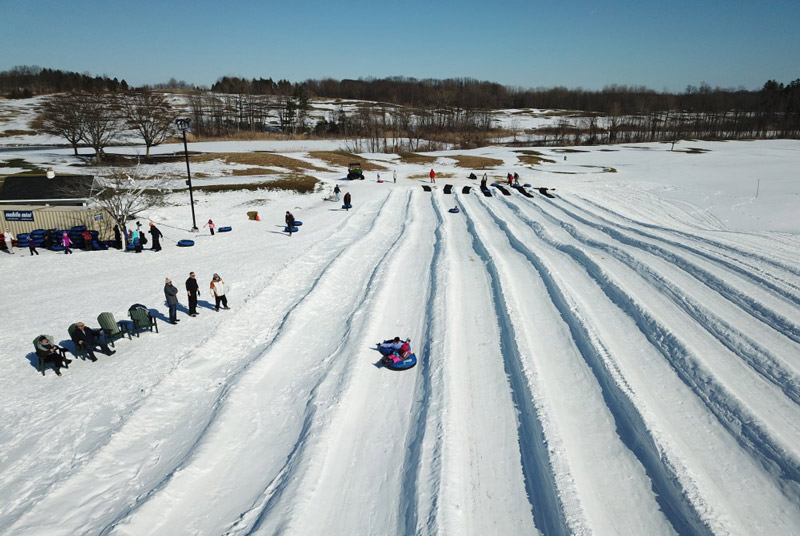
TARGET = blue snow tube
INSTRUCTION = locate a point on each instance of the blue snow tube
(406, 364)
(298, 223)
(185, 243)
(224, 229)
(294, 229)
(527, 185)
(347, 206)
(453, 211)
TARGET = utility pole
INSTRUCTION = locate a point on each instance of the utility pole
(183, 126)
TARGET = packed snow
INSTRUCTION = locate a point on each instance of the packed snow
(620, 358)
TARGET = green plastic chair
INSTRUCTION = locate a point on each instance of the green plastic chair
(112, 329)
(79, 351)
(142, 319)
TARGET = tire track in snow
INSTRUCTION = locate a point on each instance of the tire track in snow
(254, 519)
(747, 431)
(631, 426)
(540, 484)
(747, 303)
(412, 463)
(714, 259)
(694, 238)
(758, 358)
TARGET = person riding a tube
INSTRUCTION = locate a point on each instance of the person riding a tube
(390, 346)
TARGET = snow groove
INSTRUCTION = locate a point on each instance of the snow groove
(716, 259)
(760, 359)
(730, 413)
(747, 303)
(695, 238)
(631, 426)
(408, 520)
(540, 484)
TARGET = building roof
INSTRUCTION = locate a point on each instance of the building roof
(40, 189)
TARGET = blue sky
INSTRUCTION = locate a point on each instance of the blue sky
(663, 45)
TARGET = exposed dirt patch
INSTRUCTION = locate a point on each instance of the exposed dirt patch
(264, 159)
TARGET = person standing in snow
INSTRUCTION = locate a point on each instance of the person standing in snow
(210, 226)
(192, 291)
(218, 290)
(8, 238)
(117, 237)
(336, 191)
(156, 234)
(347, 200)
(171, 293)
(32, 246)
(394, 176)
(66, 242)
(433, 176)
(289, 222)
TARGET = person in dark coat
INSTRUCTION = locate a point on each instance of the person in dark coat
(192, 291)
(336, 191)
(117, 237)
(32, 246)
(347, 200)
(156, 234)
(171, 293)
(289, 222)
(89, 339)
(50, 352)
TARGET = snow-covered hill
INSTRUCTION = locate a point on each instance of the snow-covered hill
(623, 358)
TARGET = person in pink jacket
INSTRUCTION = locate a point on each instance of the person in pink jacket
(66, 242)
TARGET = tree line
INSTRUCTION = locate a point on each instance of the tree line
(26, 81)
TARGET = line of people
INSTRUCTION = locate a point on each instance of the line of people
(216, 287)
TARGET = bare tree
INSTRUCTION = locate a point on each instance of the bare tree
(62, 115)
(124, 194)
(102, 121)
(150, 114)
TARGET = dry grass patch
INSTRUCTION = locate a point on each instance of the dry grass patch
(427, 176)
(416, 158)
(341, 159)
(534, 160)
(302, 184)
(258, 159)
(13, 132)
(476, 162)
(252, 171)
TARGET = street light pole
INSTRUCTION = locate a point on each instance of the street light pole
(183, 126)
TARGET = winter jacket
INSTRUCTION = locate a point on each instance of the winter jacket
(191, 286)
(48, 348)
(88, 335)
(66, 241)
(218, 287)
(171, 292)
(336, 190)
(347, 198)
(155, 233)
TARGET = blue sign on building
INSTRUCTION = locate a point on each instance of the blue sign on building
(18, 215)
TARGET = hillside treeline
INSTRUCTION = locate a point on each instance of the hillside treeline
(28, 80)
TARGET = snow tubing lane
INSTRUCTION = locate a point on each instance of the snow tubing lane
(406, 364)
(224, 229)
(185, 243)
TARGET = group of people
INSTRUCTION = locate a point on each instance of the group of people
(85, 339)
(217, 288)
(137, 238)
(513, 180)
(394, 350)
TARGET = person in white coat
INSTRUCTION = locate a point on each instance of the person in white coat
(218, 290)
(8, 237)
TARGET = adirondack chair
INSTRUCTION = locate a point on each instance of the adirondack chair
(80, 351)
(142, 319)
(111, 328)
(41, 356)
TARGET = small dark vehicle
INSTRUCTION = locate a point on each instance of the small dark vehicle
(354, 171)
